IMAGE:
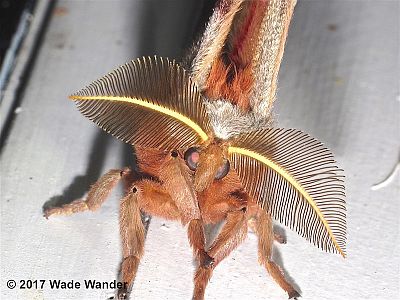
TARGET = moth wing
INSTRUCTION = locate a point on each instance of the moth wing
(246, 40)
(214, 38)
(268, 53)
(149, 102)
(295, 178)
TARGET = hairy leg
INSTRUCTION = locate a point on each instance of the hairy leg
(155, 200)
(264, 230)
(132, 237)
(150, 197)
(232, 234)
(197, 242)
(177, 179)
(146, 195)
(280, 238)
(98, 193)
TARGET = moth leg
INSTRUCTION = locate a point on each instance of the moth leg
(98, 193)
(252, 222)
(177, 180)
(155, 200)
(132, 237)
(197, 242)
(264, 230)
(232, 234)
(148, 196)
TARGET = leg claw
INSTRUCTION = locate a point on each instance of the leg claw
(50, 211)
(122, 294)
(294, 294)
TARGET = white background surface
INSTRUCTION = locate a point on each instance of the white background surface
(339, 82)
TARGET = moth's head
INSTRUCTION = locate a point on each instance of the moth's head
(209, 163)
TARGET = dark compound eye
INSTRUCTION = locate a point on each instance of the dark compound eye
(174, 153)
(192, 156)
(223, 170)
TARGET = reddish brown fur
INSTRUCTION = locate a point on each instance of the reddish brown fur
(217, 201)
(235, 90)
(166, 188)
(175, 176)
(150, 160)
(232, 234)
(177, 184)
(132, 237)
(223, 199)
(98, 193)
(155, 200)
(211, 158)
(197, 241)
(234, 81)
(245, 36)
(265, 235)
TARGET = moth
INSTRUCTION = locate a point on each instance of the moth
(207, 149)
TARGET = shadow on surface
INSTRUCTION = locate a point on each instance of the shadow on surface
(277, 256)
(81, 183)
(166, 36)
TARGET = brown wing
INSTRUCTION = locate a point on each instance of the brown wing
(240, 53)
(149, 102)
(214, 39)
(295, 178)
(268, 53)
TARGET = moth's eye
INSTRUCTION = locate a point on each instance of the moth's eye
(192, 156)
(223, 170)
